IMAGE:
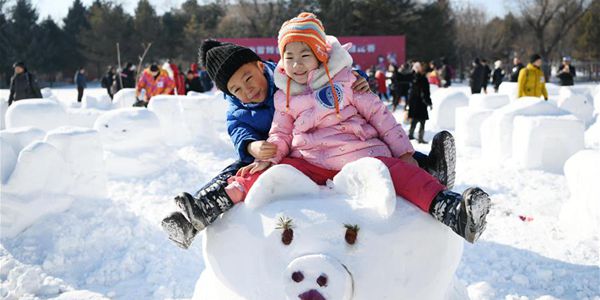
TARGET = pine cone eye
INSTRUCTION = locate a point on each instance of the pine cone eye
(351, 233)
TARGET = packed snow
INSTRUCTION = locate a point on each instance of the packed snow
(82, 203)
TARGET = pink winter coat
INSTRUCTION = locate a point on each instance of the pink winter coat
(310, 128)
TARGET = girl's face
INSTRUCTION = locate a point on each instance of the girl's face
(298, 61)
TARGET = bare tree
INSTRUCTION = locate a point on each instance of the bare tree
(551, 20)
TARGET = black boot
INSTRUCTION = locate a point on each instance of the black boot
(209, 204)
(180, 230)
(421, 139)
(442, 158)
(465, 215)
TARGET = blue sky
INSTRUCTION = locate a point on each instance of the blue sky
(57, 9)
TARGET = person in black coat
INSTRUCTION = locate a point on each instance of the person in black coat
(514, 72)
(107, 80)
(402, 79)
(193, 83)
(566, 72)
(81, 82)
(498, 75)
(476, 77)
(487, 72)
(22, 84)
(127, 78)
(418, 101)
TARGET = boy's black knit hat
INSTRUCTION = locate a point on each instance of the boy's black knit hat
(223, 59)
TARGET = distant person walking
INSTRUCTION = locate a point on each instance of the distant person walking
(381, 87)
(498, 75)
(403, 79)
(192, 82)
(446, 73)
(127, 78)
(107, 80)
(22, 84)
(80, 82)
(531, 81)
(418, 101)
(487, 72)
(516, 68)
(566, 72)
(476, 77)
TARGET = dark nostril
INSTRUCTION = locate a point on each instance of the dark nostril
(322, 280)
(297, 276)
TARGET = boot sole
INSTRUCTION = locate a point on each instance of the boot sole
(176, 233)
(185, 202)
(477, 206)
(444, 147)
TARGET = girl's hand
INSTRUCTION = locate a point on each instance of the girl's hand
(361, 85)
(254, 167)
(262, 150)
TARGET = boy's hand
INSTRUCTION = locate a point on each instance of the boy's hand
(408, 157)
(361, 85)
(254, 167)
(262, 150)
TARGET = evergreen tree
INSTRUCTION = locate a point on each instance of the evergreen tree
(52, 40)
(171, 38)
(432, 34)
(74, 23)
(5, 49)
(21, 27)
(588, 33)
(147, 29)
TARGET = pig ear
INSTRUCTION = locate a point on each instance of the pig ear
(279, 181)
(368, 182)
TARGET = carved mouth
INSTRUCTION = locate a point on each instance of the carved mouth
(311, 295)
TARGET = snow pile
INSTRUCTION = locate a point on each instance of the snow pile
(592, 135)
(597, 102)
(578, 102)
(22, 281)
(124, 98)
(399, 251)
(13, 140)
(546, 142)
(497, 130)
(133, 142)
(580, 215)
(47, 175)
(98, 102)
(41, 113)
(190, 119)
(3, 109)
(511, 89)
(470, 118)
(445, 102)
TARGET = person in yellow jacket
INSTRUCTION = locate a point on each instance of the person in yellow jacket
(531, 81)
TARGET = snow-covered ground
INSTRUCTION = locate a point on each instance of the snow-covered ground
(114, 247)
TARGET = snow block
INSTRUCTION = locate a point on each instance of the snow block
(546, 142)
(488, 101)
(592, 136)
(496, 131)
(470, 118)
(402, 246)
(597, 102)
(124, 98)
(580, 215)
(186, 119)
(82, 151)
(47, 93)
(510, 89)
(3, 109)
(100, 102)
(578, 102)
(445, 102)
(81, 117)
(20, 137)
(8, 159)
(133, 142)
(41, 113)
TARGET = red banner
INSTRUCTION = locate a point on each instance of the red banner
(366, 50)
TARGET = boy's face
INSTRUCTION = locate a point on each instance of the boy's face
(298, 61)
(248, 83)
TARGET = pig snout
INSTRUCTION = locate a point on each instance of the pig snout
(318, 277)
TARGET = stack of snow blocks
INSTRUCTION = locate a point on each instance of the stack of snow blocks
(445, 102)
(578, 101)
(534, 133)
(580, 215)
(470, 118)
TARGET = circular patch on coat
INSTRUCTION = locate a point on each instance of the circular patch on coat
(325, 97)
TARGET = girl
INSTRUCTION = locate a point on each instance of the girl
(320, 125)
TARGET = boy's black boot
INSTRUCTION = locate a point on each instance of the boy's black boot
(441, 163)
(211, 202)
(180, 230)
(465, 215)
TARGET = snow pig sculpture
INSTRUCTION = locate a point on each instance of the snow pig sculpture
(353, 239)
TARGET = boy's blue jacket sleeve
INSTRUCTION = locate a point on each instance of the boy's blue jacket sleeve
(241, 134)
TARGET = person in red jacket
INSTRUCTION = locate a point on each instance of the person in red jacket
(381, 87)
(154, 81)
